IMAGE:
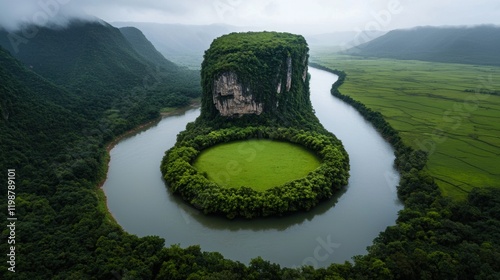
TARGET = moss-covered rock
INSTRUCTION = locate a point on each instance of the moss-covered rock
(255, 85)
(257, 73)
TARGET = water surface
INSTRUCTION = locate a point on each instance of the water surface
(334, 231)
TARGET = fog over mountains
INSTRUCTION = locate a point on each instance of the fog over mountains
(185, 44)
(459, 44)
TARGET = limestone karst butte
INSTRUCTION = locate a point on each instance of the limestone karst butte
(255, 85)
(256, 73)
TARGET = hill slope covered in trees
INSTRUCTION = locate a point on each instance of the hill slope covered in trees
(55, 139)
(143, 46)
(468, 45)
(94, 57)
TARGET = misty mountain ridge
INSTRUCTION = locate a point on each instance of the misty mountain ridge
(342, 39)
(85, 74)
(145, 48)
(84, 54)
(457, 44)
(183, 44)
(186, 44)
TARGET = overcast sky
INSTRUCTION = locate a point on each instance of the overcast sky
(312, 16)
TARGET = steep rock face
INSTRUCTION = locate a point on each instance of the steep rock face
(289, 73)
(260, 74)
(231, 99)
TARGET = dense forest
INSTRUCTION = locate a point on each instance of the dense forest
(302, 194)
(468, 45)
(54, 135)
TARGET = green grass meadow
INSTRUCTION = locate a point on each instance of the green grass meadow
(452, 111)
(258, 164)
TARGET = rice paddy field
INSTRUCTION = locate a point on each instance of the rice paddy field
(258, 164)
(452, 111)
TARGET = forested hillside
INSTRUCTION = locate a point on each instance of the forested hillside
(54, 132)
(36, 119)
(183, 44)
(94, 61)
(468, 45)
(82, 56)
(143, 46)
(54, 136)
(48, 137)
(95, 58)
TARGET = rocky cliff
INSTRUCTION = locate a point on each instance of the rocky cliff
(255, 85)
(231, 99)
(256, 74)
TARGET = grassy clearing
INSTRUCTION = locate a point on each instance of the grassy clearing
(436, 107)
(258, 164)
(168, 109)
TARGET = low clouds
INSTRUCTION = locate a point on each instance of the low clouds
(286, 15)
(50, 12)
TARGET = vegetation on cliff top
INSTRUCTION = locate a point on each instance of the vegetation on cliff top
(260, 59)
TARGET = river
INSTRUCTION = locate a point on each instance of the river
(334, 231)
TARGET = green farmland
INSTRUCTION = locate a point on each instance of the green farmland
(452, 111)
(258, 164)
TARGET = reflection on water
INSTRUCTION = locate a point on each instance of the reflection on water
(262, 224)
(340, 228)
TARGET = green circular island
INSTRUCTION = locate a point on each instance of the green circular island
(257, 149)
(182, 172)
(260, 164)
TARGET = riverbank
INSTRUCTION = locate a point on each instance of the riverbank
(135, 189)
(440, 108)
(99, 192)
(195, 103)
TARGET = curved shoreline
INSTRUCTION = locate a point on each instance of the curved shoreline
(301, 194)
(100, 194)
(194, 104)
(370, 199)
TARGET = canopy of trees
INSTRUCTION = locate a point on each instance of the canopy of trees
(56, 138)
(301, 194)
